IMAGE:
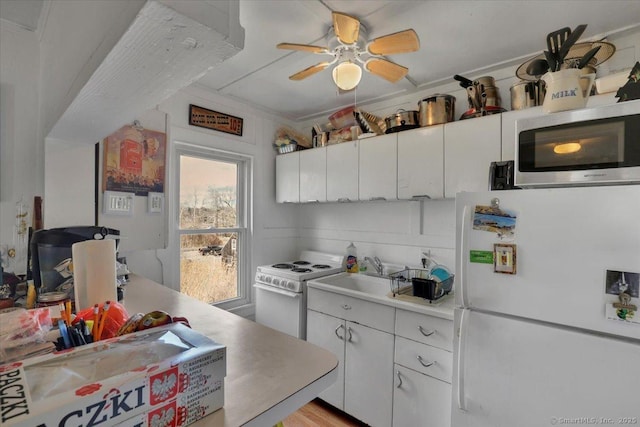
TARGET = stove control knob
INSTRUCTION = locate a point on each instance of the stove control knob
(267, 279)
(291, 285)
(276, 282)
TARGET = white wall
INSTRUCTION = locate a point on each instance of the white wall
(21, 149)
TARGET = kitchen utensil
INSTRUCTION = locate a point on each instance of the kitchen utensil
(555, 39)
(565, 90)
(569, 42)
(464, 82)
(551, 60)
(588, 57)
(402, 120)
(538, 67)
(436, 109)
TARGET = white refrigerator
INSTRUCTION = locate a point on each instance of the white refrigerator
(539, 341)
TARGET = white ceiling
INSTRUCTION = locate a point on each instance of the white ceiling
(457, 37)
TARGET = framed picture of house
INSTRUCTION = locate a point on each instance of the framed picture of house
(134, 161)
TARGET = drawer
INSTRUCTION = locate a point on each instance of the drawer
(377, 316)
(423, 358)
(419, 327)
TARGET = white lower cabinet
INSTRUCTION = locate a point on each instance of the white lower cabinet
(420, 400)
(394, 365)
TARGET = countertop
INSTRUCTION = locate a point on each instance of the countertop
(269, 374)
(442, 308)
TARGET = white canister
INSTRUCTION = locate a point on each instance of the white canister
(565, 91)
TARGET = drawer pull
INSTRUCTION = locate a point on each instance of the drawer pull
(399, 379)
(426, 333)
(426, 365)
(337, 334)
(350, 335)
(346, 307)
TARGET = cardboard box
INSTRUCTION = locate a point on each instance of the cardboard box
(169, 373)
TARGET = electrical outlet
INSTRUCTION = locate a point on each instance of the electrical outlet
(117, 203)
(154, 202)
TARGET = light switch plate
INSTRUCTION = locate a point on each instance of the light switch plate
(155, 202)
(117, 203)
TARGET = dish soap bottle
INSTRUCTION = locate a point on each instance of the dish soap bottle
(352, 259)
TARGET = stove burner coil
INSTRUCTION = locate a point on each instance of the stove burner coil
(321, 266)
(302, 270)
(301, 262)
(283, 266)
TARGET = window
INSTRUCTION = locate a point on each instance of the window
(213, 226)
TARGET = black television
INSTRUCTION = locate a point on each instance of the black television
(50, 251)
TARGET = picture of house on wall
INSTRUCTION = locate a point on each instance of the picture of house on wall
(134, 161)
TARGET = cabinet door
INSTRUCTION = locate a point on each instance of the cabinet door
(368, 374)
(288, 178)
(313, 175)
(325, 331)
(421, 162)
(378, 167)
(469, 148)
(419, 400)
(342, 172)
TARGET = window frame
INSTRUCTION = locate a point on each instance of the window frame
(243, 226)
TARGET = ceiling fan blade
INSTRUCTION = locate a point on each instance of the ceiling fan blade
(309, 71)
(347, 28)
(304, 47)
(400, 42)
(386, 69)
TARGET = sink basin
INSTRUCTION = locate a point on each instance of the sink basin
(371, 285)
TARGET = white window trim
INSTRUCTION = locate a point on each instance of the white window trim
(245, 213)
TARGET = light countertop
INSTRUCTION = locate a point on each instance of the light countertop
(269, 374)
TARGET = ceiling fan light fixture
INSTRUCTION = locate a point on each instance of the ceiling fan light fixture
(347, 75)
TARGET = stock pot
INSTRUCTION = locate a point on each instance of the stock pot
(402, 120)
(436, 109)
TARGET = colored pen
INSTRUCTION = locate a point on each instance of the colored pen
(103, 317)
(96, 319)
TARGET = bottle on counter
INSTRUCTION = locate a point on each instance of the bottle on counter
(352, 258)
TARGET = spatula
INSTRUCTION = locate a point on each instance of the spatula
(569, 42)
(588, 56)
(555, 40)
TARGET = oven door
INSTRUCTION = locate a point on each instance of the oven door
(281, 309)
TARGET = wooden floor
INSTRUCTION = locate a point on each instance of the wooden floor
(320, 414)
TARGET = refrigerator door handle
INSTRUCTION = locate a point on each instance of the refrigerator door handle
(460, 359)
(463, 260)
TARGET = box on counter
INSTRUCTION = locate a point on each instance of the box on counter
(169, 374)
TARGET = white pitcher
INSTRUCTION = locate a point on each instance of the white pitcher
(565, 90)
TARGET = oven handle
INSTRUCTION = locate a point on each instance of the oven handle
(276, 290)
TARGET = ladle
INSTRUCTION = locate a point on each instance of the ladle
(537, 68)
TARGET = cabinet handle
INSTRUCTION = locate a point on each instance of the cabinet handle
(399, 379)
(350, 336)
(421, 196)
(346, 307)
(375, 199)
(313, 201)
(425, 333)
(337, 334)
(426, 365)
(344, 200)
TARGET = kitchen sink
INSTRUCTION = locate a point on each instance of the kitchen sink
(371, 285)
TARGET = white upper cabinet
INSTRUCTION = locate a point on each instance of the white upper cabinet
(469, 148)
(342, 172)
(378, 168)
(313, 175)
(288, 177)
(421, 163)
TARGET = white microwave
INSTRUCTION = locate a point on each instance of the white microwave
(591, 146)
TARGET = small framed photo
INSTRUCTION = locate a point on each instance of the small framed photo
(504, 258)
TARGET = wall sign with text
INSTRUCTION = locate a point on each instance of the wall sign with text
(210, 119)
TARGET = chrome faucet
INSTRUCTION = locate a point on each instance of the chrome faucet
(377, 264)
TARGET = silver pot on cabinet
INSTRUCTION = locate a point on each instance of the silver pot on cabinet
(436, 109)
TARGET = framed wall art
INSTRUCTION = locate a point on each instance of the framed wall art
(134, 161)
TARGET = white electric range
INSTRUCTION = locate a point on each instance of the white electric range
(281, 290)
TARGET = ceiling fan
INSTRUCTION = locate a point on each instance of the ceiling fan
(347, 43)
